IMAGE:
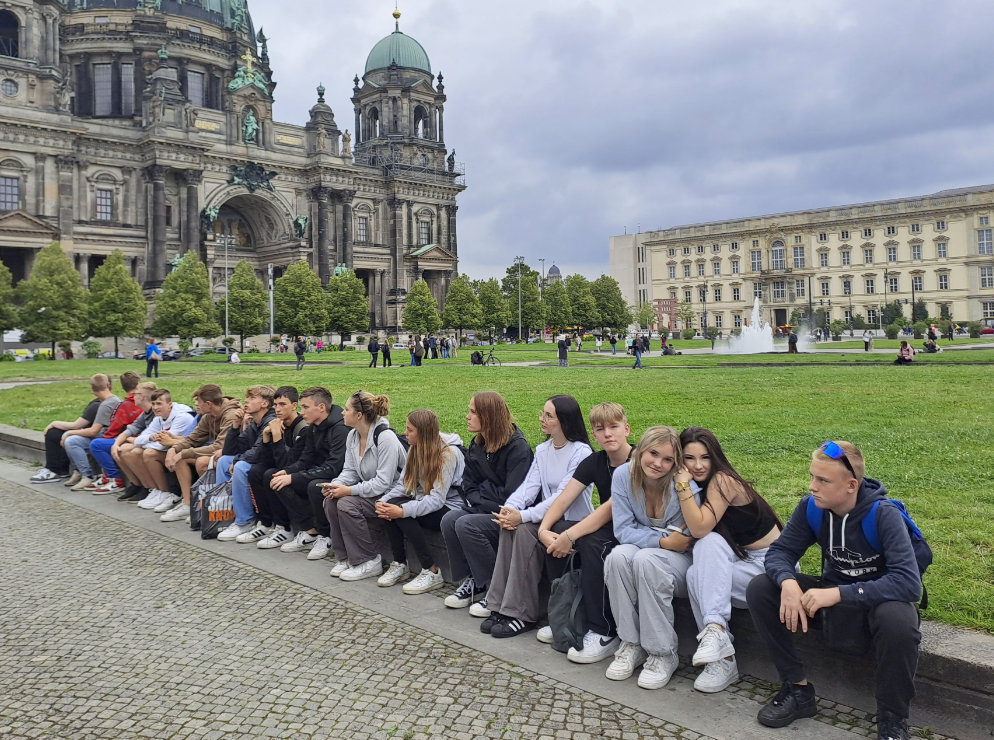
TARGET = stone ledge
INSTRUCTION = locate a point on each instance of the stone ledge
(955, 679)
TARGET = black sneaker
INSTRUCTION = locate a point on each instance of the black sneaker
(891, 727)
(793, 701)
(134, 496)
(488, 624)
(511, 628)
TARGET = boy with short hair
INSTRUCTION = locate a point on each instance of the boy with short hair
(870, 594)
(112, 481)
(124, 444)
(77, 441)
(147, 460)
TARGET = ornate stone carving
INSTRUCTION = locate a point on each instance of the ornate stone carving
(300, 226)
(253, 176)
(207, 218)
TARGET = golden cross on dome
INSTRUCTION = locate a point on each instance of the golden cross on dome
(248, 58)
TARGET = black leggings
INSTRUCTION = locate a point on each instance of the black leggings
(412, 529)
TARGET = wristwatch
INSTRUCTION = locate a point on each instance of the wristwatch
(681, 486)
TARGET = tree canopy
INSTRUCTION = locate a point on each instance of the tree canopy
(493, 306)
(348, 305)
(248, 303)
(558, 313)
(462, 306)
(54, 302)
(421, 313)
(582, 303)
(532, 310)
(184, 307)
(117, 306)
(8, 313)
(300, 302)
(612, 310)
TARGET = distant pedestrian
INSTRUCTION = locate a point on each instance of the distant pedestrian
(867, 340)
(906, 354)
(598, 342)
(563, 346)
(374, 351)
(385, 349)
(613, 340)
(320, 346)
(410, 346)
(299, 349)
(951, 333)
(152, 357)
(419, 349)
(792, 343)
(637, 350)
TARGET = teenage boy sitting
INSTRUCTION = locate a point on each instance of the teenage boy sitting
(284, 439)
(869, 594)
(148, 456)
(77, 441)
(299, 484)
(240, 452)
(125, 443)
(111, 481)
(189, 456)
(56, 459)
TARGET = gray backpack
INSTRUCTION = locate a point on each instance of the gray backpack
(566, 617)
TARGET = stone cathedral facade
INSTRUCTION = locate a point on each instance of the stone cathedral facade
(147, 126)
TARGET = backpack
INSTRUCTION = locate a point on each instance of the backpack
(566, 616)
(476, 358)
(923, 553)
(402, 437)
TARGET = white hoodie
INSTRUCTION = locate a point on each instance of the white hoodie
(180, 423)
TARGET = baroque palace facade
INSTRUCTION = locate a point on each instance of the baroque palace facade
(146, 126)
(849, 260)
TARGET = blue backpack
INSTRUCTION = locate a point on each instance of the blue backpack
(923, 553)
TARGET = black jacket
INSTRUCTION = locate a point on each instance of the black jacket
(487, 484)
(248, 446)
(288, 450)
(324, 450)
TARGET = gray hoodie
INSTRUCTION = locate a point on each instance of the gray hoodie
(375, 473)
(445, 492)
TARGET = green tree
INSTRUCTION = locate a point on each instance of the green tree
(645, 316)
(421, 312)
(920, 311)
(494, 312)
(532, 310)
(184, 307)
(685, 312)
(892, 312)
(248, 303)
(300, 303)
(462, 307)
(53, 301)
(582, 303)
(348, 306)
(8, 314)
(117, 306)
(611, 307)
(558, 312)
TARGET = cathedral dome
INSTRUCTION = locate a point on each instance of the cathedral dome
(231, 14)
(400, 48)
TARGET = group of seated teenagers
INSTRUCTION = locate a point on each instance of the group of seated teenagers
(674, 519)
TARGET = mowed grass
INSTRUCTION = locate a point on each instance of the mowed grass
(925, 430)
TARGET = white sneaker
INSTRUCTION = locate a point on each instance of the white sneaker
(396, 572)
(369, 569)
(168, 502)
(302, 541)
(320, 549)
(658, 671)
(232, 531)
(277, 538)
(479, 609)
(463, 595)
(340, 567)
(153, 499)
(545, 635)
(45, 476)
(629, 657)
(595, 648)
(713, 644)
(96, 483)
(113, 485)
(717, 676)
(176, 514)
(256, 534)
(425, 581)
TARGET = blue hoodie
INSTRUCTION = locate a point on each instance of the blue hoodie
(864, 576)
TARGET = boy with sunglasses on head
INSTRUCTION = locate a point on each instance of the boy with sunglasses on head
(862, 595)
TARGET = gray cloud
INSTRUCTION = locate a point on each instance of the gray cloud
(579, 119)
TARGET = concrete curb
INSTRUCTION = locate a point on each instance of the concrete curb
(955, 679)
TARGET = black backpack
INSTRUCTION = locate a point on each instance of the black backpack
(476, 358)
(402, 437)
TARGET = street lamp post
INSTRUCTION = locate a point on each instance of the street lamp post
(519, 261)
(705, 307)
(227, 240)
(270, 303)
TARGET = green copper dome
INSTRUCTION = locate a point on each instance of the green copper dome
(399, 48)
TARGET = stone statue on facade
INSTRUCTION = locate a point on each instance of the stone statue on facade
(340, 268)
(321, 141)
(451, 161)
(63, 95)
(346, 144)
(189, 115)
(300, 227)
(174, 262)
(207, 218)
(253, 176)
(250, 128)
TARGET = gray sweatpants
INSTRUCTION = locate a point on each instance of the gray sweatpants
(642, 583)
(514, 586)
(348, 518)
(718, 579)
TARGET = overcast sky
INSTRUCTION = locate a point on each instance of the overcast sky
(578, 120)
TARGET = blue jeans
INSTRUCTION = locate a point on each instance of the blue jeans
(76, 449)
(241, 493)
(638, 358)
(100, 449)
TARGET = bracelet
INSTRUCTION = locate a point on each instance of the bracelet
(686, 498)
(571, 540)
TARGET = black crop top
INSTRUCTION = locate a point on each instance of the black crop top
(748, 524)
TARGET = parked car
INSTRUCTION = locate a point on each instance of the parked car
(197, 351)
(111, 356)
(987, 330)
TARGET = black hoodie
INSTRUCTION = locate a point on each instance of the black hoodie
(486, 485)
(324, 449)
(863, 575)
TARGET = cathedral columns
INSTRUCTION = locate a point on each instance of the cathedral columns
(67, 181)
(191, 232)
(381, 298)
(346, 252)
(83, 266)
(155, 262)
(323, 197)
(452, 245)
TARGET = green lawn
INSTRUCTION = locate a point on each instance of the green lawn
(925, 430)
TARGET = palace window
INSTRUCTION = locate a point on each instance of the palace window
(800, 288)
(987, 277)
(717, 320)
(823, 236)
(846, 287)
(984, 243)
(195, 88)
(757, 260)
(844, 234)
(892, 254)
(362, 229)
(10, 193)
(779, 290)
(868, 256)
(686, 296)
(734, 246)
(892, 284)
(717, 295)
(823, 259)
(942, 250)
(755, 242)
(778, 256)
(672, 272)
(424, 232)
(940, 225)
(716, 268)
(737, 320)
(735, 267)
(871, 315)
(736, 294)
(916, 251)
(103, 97)
(867, 233)
(891, 230)
(686, 270)
(715, 247)
(9, 34)
(128, 90)
(798, 257)
(702, 295)
(871, 286)
(846, 257)
(985, 220)
(700, 270)
(917, 282)
(686, 251)
(916, 228)
(105, 205)
(757, 290)
(700, 249)
(943, 282)
(988, 309)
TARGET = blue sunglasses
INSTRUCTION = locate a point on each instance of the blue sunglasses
(837, 453)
